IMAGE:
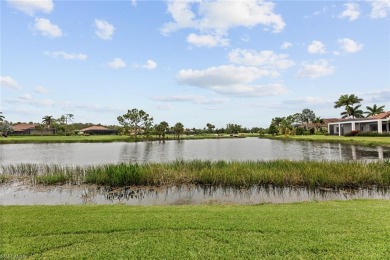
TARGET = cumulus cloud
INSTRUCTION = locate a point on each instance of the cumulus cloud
(66, 56)
(265, 59)
(349, 46)
(190, 98)
(315, 70)
(207, 40)
(8, 82)
(231, 80)
(41, 90)
(31, 7)
(116, 63)
(352, 11)
(316, 47)
(286, 45)
(150, 65)
(46, 28)
(380, 8)
(378, 96)
(104, 30)
(216, 18)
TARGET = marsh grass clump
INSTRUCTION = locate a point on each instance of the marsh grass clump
(116, 175)
(278, 173)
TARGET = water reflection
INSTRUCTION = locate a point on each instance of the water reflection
(221, 149)
(17, 194)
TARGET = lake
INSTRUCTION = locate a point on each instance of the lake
(239, 149)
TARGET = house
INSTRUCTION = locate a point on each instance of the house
(379, 123)
(31, 129)
(98, 130)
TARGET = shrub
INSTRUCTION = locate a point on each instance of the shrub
(352, 133)
(373, 134)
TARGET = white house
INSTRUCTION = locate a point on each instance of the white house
(379, 123)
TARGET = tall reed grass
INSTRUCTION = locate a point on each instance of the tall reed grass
(279, 173)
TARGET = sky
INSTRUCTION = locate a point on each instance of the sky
(194, 62)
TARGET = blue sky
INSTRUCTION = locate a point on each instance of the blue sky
(194, 62)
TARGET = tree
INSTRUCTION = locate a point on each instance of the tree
(210, 127)
(161, 129)
(347, 101)
(374, 110)
(233, 128)
(1, 117)
(178, 129)
(47, 120)
(136, 121)
(353, 111)
(317, 122)
(272, 129)
(307, 116)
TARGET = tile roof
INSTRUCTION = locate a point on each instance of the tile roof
(96, 128)
(383, 115)
(22, 127)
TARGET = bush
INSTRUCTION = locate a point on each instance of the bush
(299, 131)
(352, 133)
(373, 134)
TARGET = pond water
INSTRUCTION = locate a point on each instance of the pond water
(21, 194)
(239, 149)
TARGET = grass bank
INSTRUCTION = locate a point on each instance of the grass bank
(357, 140)
(279, 173)
(326, 230)
(101, 138)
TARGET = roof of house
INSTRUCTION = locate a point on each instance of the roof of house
(22, 127)
(380, 116)
(96, 128)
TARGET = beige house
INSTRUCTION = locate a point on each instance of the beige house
(379, 123)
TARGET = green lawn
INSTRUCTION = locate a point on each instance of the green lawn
(94, 138)
(359, 140)
(327, 230)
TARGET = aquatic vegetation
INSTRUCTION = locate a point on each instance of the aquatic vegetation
(280, 173)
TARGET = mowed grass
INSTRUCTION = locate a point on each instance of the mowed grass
(358, 140)
(327, 230)
(103, 138)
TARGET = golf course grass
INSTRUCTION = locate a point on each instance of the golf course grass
(358, 229)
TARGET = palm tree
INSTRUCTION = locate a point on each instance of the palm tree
(317, 122)
(374, 110)
(1, 117)
(178, 129)
(354, 112)
(47, 120)
(348, 101)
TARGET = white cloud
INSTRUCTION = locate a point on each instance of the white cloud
(315, 70)
(380, 8)
(41, 90)
(349, 46)
(8, 82)
(286, 45)
(104, 30)
(265, 59)
(308, 101)
(66, 56)
(116, 63)
(216, 18)
(190, 98)
(26, 97)
(150, 65)
(46, 28)
(231, 80)
(30, 7)
(134, 3)
(222, 75)
(207, 40)
(316, 47)
(352, 11)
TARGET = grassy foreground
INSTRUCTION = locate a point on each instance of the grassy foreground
(279, 173)
(327, 230)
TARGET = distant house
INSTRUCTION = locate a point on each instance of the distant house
(98, 130)
(379, 123)
(30, 129)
